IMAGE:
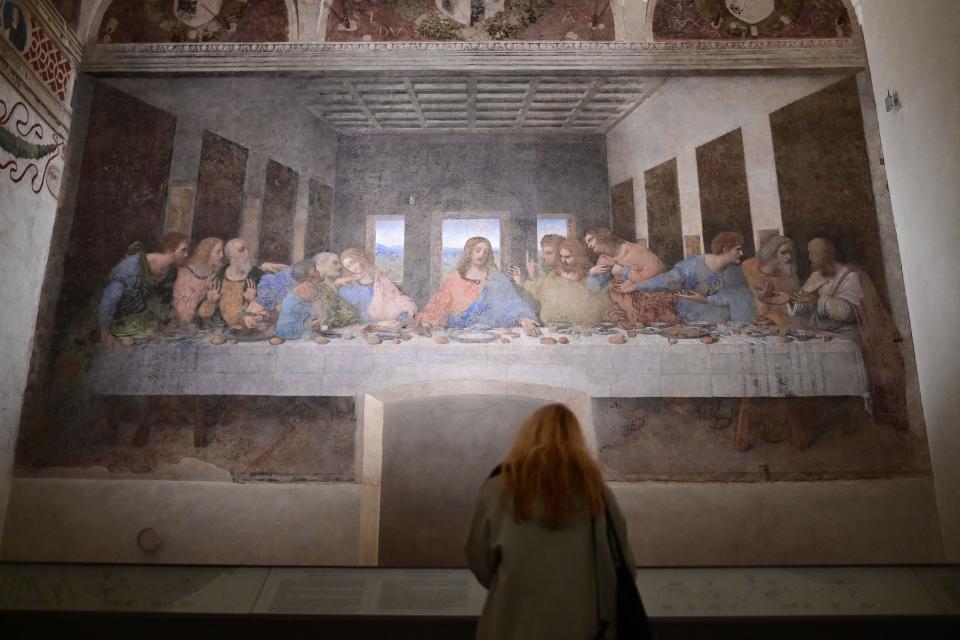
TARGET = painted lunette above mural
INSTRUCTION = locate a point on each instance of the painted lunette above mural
(750, 19)
(194, 21)
(476, 20)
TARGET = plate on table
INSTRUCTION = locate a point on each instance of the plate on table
(385, 336)
(247, 336)
(683, 332)
(703, 324)
(474, 336)
(656, 327)
(605, 329)
(560, 327)
(801, 335)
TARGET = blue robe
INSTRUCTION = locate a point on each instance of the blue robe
(499, 305)
(274, 287)
(359, 296)
(729, 297)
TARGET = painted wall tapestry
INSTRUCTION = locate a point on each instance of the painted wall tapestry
(456, 20)
(750, 19)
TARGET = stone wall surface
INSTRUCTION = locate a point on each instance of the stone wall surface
(521, 176)
(921, 147)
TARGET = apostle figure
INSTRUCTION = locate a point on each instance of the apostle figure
(196, 278)
(620, 266)
(842, 298)
(772, 277)
(136, 301)
(549, 246)
(313, 303)
(710, 287)
(234, 290)
(371, 292)
(563, 294)
(476, 293)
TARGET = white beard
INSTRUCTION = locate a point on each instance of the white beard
(787, 270)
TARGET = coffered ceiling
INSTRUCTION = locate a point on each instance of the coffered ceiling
(592, 104)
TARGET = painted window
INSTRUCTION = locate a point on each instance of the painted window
(456, 232)
(386, 245)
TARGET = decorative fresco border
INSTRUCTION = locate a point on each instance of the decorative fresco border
(478, 57)
(45, 71)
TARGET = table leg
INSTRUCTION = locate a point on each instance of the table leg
(150, 417)
(798, 435)
(741, 440)
(199, 423)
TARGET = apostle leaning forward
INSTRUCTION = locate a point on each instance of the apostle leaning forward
(136, 303)
(314, 303)
(621, 265)
(710, 287)
(564, 294)
(841, 298)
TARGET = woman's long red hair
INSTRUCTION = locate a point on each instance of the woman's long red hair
(550, 461)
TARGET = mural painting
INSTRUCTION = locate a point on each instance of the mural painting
(470, 20)
(224, 319)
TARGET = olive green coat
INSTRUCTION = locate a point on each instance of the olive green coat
(541, 581)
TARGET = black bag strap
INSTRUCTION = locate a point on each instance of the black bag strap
(602, 624)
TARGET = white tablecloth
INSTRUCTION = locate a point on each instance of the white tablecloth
(646, 366)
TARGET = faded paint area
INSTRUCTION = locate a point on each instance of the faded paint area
(458, 20)
(196, 21)
(750, 19)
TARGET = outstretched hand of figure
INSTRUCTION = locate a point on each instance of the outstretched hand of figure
(107, 339)
(693, 296)
(530, 327)
(804, 297)
(250, 291)
(627, 287)
(768, 295)
(533, 270)
(599, 269)
(516, 275)
(213, 292)
(272, 267)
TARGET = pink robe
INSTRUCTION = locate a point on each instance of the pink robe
(389, 303)
(188, 290)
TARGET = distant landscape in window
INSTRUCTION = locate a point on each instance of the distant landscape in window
(388, 247)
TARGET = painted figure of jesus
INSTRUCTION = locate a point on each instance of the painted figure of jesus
(477, 293)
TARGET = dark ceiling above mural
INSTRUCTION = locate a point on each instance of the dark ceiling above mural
(457, 20)
(194, 21)
(746, 19)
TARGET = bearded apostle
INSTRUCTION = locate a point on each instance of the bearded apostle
(563, 294)
(842, 298)
(234, 289)
(477, 293)
(313, 302)
(772, 277)
(136, 301)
